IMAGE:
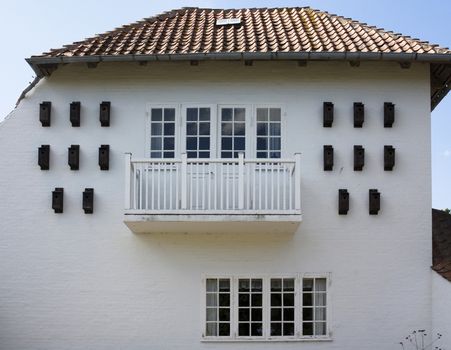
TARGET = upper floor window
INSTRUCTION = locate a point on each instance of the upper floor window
(268, 133)
(233, 132)
(254, 308)
(214, 131)
(162, 132)
(198, 132)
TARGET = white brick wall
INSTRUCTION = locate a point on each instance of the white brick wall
(76, 281)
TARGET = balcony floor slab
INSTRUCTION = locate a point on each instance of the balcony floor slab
(200, 223)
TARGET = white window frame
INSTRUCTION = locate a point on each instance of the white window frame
(151, 106)
(266, 308)
(282, 126)
(248, 110)
(215, 132)
(213, 126)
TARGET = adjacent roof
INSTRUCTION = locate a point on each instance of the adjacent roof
(441, 243)
(298, 33)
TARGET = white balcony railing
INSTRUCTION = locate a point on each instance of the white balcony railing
(213, 186)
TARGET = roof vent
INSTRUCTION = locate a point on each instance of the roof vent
(228, 21)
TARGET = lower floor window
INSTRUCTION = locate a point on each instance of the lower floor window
(265, 308)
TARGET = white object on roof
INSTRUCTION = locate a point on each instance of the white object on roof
(226, 21)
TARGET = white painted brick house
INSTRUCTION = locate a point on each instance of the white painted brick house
(261, 204)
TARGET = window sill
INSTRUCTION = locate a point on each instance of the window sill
(268, 340)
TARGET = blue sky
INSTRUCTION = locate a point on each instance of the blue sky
(31, 27)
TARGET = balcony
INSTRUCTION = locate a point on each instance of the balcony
(212, 195)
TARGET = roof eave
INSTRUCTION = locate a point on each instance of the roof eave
(44, 66)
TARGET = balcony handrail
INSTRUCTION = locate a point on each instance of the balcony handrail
(212, 185)
(213, 160)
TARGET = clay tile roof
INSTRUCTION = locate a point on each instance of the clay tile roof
(194, 31)
(441, 243)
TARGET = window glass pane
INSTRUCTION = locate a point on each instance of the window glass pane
(204, 114)
(274, 143)
(274, 154)
(155, 154)
(257, 314)
(243, 300)
(243, 329)
(169, 143)
(224, 314)
(320, 314)
(244, 285)
(320, 284)
(307, 299)
(212, 285)
(288, 314)
(276, 314)
(288, 329)
(320, 299)
(224, 299)
(240, 114)
(257, 285)
(262, 114)
(155, 143)
(211, 314)
(204, 128)
(226, 143)
(262, 143)
(256, 329)
(224, 285)
(288, 285)
(307, 285)
(169, 114)
(226, 114)
(274, 114)
(307, 328)
(224, 329)
(204, 143)
(256, 300)
(288, 299)
(276, 329)
(191, 143)
(320, 328)
(262, 129)
(169, 129)
(240, 129)
(274, 129)
(239, 144)
(307, 314)
(262, 154)
(191, 154)
(226, 129)
(276, 285)
(156, 114)
(212, 299)
(276, 299)
(226, 154)
(156, 129)
(244, 315)
(168, 154)
(204, 154)
(191, 114)
(212, 329)
(191, 128)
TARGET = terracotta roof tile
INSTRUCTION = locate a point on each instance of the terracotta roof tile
(194, 30)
